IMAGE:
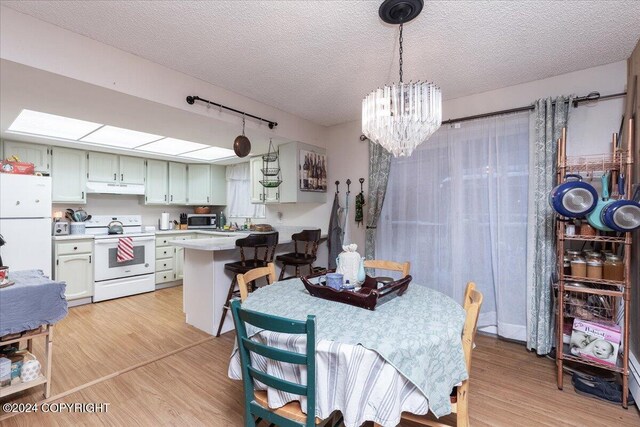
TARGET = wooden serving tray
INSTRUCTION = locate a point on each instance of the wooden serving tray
(366, 297)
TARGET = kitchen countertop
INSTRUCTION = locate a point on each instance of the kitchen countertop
(223, 243)
(73, 237)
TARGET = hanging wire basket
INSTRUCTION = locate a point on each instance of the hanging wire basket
(270, 171)
(272, 154)
(271, 183)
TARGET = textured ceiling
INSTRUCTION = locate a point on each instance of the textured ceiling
(318, 59)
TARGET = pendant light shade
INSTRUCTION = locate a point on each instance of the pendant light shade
(401, 116)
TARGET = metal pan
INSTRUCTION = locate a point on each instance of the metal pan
(573, 198)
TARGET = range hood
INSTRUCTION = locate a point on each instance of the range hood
(111, 188)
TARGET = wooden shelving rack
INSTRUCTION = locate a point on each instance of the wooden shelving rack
(45, 376)
(621, 161)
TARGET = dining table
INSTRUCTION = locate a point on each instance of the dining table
(371, 365)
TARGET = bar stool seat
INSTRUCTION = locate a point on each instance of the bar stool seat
(265, 243)
(298, 258)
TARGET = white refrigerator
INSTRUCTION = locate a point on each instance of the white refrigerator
(25, 222)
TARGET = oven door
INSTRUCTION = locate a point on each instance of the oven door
(107, 266)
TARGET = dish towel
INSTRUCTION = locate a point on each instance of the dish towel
(125, 249)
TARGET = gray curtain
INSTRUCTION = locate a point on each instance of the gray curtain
(379, 164)
(546, 123)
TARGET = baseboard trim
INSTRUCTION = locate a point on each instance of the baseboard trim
(634, 377)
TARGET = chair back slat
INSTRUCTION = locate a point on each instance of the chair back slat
(277, 383)
(244, 279)
(311, 238)
(266, 241)
(403, 267)
(472, 303)
(273, 323)
(274, 353)
(249, 373)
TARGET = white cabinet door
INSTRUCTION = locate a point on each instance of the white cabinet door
(156, 184)
(177, 183)
(103, 167)
(198, 185)
(257, 195)
(32, 153)
(68, 175)
(218, 185)
(131, 170)
(77, 272)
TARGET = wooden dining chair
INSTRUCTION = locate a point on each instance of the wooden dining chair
(257, 273)
(403, 267)
(460, 396)
(255, 402)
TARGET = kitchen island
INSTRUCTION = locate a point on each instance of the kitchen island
(206, 283)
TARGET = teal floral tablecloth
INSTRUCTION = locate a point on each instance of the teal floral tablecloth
(418, 333)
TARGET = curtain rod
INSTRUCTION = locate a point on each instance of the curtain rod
(593, 96)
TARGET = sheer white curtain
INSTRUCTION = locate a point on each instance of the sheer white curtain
(457, 209)
(239, 193)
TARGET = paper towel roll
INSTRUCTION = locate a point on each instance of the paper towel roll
(164, 221)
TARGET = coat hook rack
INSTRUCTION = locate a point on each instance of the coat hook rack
(192, 99)
(361, 181)
(337, 187)
(348, 184)
(363, 138)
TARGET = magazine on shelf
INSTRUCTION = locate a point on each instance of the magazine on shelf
(595, 341)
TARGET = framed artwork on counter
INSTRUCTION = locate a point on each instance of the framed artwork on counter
(312, 171)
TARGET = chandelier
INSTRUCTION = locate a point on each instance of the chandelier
(401, 116)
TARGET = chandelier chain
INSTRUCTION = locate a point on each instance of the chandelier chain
(400, 53)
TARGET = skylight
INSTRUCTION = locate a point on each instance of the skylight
(119, 137)
(172, 146)
(211, 153)
(50, 125)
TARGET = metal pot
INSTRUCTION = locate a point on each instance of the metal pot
(115, 227)
(621, 215)
(573, 199)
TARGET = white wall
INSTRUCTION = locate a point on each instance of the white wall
(590, 126)
(29, 41)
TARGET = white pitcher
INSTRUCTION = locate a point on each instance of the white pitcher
(350, 265)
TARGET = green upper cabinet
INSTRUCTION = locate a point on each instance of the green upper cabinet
(32, 153)
(177, 183)
(68, 175)
(199, 185)
(218, 185)
(157, 183)
(131, 170)
(102, 167)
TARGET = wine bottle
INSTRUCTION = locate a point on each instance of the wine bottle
(305, 172)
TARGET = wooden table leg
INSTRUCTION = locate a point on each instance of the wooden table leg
(48, 354)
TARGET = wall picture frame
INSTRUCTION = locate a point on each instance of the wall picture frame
(312, 171)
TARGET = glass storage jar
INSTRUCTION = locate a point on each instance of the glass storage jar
(613, 268)
(578, 266)
(594, 268)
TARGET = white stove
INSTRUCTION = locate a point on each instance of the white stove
(113, 278)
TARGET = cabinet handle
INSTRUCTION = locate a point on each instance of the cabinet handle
(89, 259)
(121, 177)
(165, 197)
(83, 194)
(172, 197)
(207, 199)
(115, 176)
(75, 248)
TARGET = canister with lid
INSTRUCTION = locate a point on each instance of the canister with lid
(613, 268)
(578, 266)
(594, 268)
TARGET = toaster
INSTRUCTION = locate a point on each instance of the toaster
(61, 228)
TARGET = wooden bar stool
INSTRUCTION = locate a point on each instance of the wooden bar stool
(310, 238)
(265, 243)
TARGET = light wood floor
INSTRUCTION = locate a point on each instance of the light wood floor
(509, 386)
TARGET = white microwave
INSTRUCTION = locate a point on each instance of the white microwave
(202, 221)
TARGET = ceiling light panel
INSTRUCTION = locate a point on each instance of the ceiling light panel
(211, 153)
(172, 146)
(119, 137)
(51, 125)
